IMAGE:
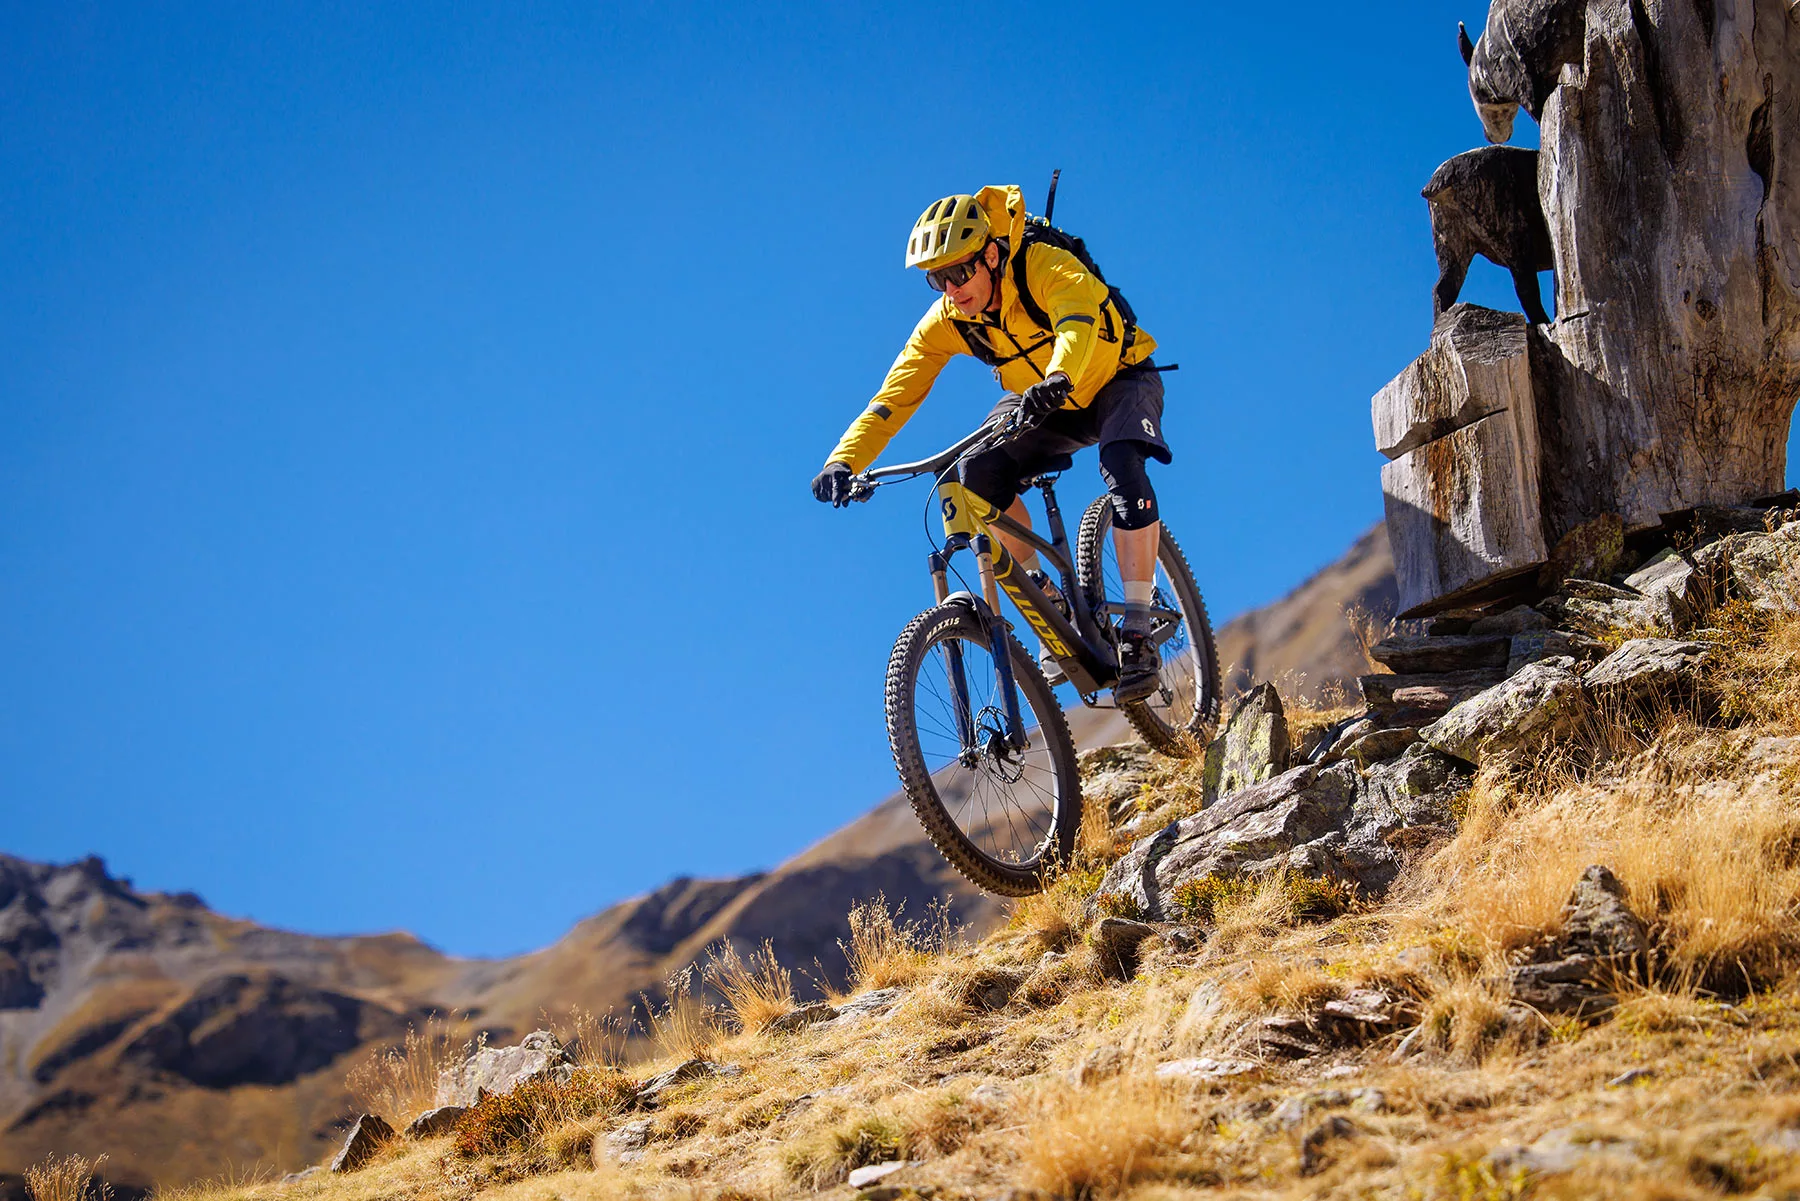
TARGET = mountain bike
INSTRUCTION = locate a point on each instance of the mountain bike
(980, 741)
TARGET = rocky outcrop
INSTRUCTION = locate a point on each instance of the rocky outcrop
(495, 1071)
(1471, 690)
(1338, 822)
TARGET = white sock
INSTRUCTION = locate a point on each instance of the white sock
(1140, 592)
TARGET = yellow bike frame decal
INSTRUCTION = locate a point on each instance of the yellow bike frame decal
(966, 513)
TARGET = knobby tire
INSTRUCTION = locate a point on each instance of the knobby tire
(1189, 738)
(1038, 700)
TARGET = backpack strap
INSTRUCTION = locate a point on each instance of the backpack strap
(1033, 309)
(1041, 319)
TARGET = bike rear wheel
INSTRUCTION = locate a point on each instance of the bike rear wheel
(1178, 718)
(1007, 819)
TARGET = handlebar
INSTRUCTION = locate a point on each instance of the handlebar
(995, 433)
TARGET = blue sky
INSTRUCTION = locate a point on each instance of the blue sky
(407, 411)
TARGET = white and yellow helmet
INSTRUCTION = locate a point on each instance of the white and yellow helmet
(951, 229)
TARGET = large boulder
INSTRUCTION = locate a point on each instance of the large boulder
(1515, 718)
(499, 1070)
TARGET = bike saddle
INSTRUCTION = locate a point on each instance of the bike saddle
(1050, 470)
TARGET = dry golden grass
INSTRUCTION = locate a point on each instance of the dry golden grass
(757, 990)
(1711, 864)
(684, 1026)
(400, 1083)
(885, 951)
(595, 1041)
(65, 1178)
(1097, 1143)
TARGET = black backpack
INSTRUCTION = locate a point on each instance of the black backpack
(1039, 229)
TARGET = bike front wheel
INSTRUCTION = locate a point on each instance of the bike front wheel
(1004, 816)
(1178, 718)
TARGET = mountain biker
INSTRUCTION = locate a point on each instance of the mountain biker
(1086, 380)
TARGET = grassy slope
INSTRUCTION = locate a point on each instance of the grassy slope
(1054, 1093)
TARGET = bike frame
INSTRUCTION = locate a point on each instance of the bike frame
(1085, 656)
(1084, 653)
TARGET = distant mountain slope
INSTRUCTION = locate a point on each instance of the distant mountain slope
(188, 1044)
(1303, 641)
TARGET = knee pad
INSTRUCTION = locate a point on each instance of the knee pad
(1133, 499)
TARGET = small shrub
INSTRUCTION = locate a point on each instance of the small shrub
(1298, 896)
(830, 1155)
(522, 1119)
(1118, 904)
(1459, 1176)
(1198, 902)
(68, 1178)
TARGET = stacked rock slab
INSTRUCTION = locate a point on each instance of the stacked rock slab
(1460, 428)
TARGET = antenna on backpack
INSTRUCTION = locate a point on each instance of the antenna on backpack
(1050, 201)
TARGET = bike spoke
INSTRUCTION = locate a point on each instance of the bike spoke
(1004, 806)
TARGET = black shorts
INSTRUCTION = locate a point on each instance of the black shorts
(1128, 409)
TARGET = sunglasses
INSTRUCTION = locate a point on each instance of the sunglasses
(953, 276)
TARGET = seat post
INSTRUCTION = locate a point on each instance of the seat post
(1046, 485)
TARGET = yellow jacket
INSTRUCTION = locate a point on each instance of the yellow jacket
(1084, 343)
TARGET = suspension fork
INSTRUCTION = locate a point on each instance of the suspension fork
(999, 641)
(959, 680)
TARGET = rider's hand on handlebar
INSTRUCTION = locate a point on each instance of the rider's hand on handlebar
(833, 485)
(1043, 398)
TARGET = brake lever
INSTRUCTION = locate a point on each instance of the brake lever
(862, 488)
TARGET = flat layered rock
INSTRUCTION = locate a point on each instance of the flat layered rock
(1414, 653)
(1533, 646)
(1424, 693)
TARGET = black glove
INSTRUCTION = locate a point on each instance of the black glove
(832, 485)
(1043, 398)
